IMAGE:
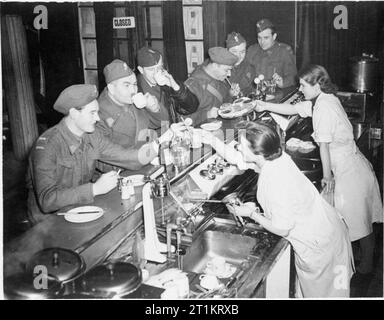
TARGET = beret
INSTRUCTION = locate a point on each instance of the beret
(264, 24)
(75, 96)
(148, 57)
(115, 70)
(222, 56)
(234, 39)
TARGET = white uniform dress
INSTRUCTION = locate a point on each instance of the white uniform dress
(318, 234)
(357, 193)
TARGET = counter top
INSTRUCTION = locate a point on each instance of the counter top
(94, 240)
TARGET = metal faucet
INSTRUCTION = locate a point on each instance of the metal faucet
(178, 227)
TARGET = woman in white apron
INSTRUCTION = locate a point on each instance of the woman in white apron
(346, 172)
(294, 209)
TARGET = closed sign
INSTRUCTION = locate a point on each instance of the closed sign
(123, 22)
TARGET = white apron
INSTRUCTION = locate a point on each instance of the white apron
(319, 237)
(357, 192)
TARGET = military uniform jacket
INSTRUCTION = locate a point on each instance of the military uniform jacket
(124, 125)
(155, 118)
(279, 57)
(244, 74)
(209, 91)
(61, 166)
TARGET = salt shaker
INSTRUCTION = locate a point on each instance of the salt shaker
(125, 190)
(131, 188)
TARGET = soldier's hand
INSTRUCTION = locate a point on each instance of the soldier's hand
(213, 112)
(261, 106)
(152, 103)
(105, 183)
(175, 129)
(278, 80)
(162, 78)
(235, 90)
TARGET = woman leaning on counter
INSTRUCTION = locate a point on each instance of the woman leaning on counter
(294, 209)
(346, 172)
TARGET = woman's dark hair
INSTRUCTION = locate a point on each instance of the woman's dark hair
(263, 138)
(314, 73)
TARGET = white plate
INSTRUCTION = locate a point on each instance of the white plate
(83, 217)
(211, 126)
(137, 179)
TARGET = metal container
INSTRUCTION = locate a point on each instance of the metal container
(64, 264)
(109, 280)
(26, 286)
(364, 73)
(359, 128)
(61, 266)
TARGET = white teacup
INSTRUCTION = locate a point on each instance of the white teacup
(209, 281)
(217, 266)
(139, 100)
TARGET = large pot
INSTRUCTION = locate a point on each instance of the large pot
(364, 73)
(45, 275)
(109, 280)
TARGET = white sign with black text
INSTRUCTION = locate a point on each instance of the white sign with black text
(123, 22)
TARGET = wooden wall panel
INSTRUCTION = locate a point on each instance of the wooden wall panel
(214, 24)
(241, 16)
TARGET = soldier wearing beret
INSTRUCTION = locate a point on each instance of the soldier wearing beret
(207, 83)
(243, 73)
(172, 96)
(63, 159)
(273, 59)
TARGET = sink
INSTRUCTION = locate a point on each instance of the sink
(234, 248)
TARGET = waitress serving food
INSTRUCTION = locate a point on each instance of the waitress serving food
(346, 172)
(294, 209)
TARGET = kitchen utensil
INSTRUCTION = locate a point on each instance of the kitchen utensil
(76, 212)
(63, 264)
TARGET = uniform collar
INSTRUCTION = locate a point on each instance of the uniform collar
(73, 142)
(271, 49)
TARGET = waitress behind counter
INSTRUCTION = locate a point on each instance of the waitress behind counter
(346, 172)
(294, 209)
(62, 161)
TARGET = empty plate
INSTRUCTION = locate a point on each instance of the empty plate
(211, 126)
(79, 215)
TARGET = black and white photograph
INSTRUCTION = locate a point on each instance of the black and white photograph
(194, 151)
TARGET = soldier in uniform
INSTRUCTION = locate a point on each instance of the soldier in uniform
(172, 97)
(273, 59)
(243, 72)
(120, 120)
(207, 83)
(62, 161)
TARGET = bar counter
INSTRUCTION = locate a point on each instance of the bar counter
(97, 240)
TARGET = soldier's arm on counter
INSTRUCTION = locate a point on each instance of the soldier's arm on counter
(129, 158)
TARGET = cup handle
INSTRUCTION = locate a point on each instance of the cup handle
(202, 276)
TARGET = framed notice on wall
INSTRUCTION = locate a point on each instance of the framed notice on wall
(193, 23)
(195, 54)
